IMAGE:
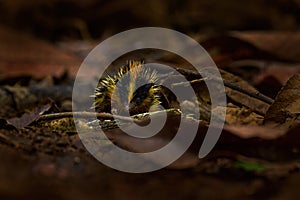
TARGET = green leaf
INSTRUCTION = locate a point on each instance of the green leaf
(250, 166)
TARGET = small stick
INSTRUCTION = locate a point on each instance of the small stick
(256, 95)
(189, 82)
(83, 115)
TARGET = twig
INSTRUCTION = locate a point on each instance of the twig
(256, 95)
(189, 82)
(229, 84)
(83, 115)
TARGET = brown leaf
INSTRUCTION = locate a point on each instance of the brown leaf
(262, 132)
(21, 54)
(284, 112)
(261, 142)
(281, 71)
(242, 98)
(268, 76)
(226, 48)
(28, 118)
(284, 44)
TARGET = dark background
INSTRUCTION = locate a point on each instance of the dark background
(77, 19)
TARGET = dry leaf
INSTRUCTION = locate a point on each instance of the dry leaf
(282, 44)
(238, 97)
(262, 132)
(21, 54)
(285, 111)
(28, 118)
